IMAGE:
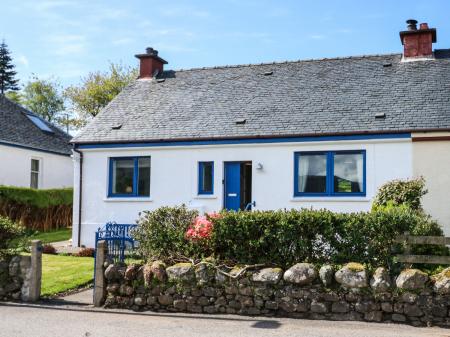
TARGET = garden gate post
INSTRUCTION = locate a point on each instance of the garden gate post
(99, 281)
(36, 271)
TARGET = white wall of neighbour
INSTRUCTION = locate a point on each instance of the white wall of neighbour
(174, 178)
(15, 168)
(431, 160)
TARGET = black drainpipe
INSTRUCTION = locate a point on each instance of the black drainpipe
(80, 194)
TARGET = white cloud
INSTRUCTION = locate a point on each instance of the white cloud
(65, 44)
(122, 41)
(317, 37)
(22, 59)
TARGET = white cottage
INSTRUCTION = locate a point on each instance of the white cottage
(33, 152)
(317, 133)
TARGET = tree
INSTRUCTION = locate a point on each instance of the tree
(15, 96)
(97, 89)
(7, 73)
(44, 98)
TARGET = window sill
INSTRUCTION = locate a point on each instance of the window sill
(331, 199)
(126, 199)
(205, 196)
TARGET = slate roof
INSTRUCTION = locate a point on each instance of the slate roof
(18, 130)
(312, 97)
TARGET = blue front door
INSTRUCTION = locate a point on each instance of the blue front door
(232, 186)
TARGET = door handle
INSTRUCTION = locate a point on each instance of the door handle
(232, 194)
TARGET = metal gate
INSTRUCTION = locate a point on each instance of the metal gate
(118, 238)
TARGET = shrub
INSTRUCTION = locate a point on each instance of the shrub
(401, 192)
(11, 237)
(161, 233)
(280, 238)
(318, 236)
(86, 252)
(48, 249)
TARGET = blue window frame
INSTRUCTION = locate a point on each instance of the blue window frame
(206, 177)
(129, 177)
(330, 173)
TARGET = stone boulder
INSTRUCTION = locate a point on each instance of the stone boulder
(112, 272)
(411, 279)
(131, 272)
(381, 281)
(158, 269)
(204, 273)
(301, 274)
(352, 275)
(148, 274)
(326, 273)
(4, 272)
(442, 282)
(268, 275)
(181, 272)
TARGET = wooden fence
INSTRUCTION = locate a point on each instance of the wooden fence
(409, 240)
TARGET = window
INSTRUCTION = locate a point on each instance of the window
(35, 171)
(40, 123)
(206, 177)
(331, 173)
(129, 177)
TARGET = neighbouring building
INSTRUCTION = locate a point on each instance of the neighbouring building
(316, 133)
(33, 152)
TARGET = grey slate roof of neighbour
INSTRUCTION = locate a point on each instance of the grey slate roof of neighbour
(313, 97)
(17, 129)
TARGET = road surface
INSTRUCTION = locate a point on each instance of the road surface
(63, 320)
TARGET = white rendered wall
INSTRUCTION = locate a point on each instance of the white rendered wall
(431, 160)
(174, 178)
(15, 168)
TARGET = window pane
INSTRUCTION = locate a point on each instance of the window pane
(312, 173)
(207, 177)
(35, 165)
(122, 176)
(144, 177)
(348, 172)
(34, 180)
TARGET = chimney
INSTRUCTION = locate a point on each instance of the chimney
(417, 43)
(150, 63)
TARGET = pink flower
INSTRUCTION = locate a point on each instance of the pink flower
(200, 229)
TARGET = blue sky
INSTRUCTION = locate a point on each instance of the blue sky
(66, 39)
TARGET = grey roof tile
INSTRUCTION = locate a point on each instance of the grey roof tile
(17, 129)
(328, 96)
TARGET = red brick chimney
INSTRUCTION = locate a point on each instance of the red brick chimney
(417, 42)
(151, 64)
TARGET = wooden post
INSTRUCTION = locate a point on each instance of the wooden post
(36, 271)
(100, 284)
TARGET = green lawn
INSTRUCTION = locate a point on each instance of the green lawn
(62, 273)
(53, 236)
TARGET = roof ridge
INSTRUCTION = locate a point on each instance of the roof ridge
(285, 62)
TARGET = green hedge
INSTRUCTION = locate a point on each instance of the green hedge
(282, 237)
(42, 210)
(37, 198)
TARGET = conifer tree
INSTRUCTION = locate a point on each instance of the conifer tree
(7, 73)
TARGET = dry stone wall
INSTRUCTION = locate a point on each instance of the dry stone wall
(15, 276)
(302, 291)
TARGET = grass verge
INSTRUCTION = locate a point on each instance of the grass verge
(53, 236)
(63, 273)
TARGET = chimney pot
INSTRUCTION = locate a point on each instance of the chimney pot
(150, 63)
(424, 25)
(412, 24)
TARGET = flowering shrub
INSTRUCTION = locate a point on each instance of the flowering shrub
(202, 227)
